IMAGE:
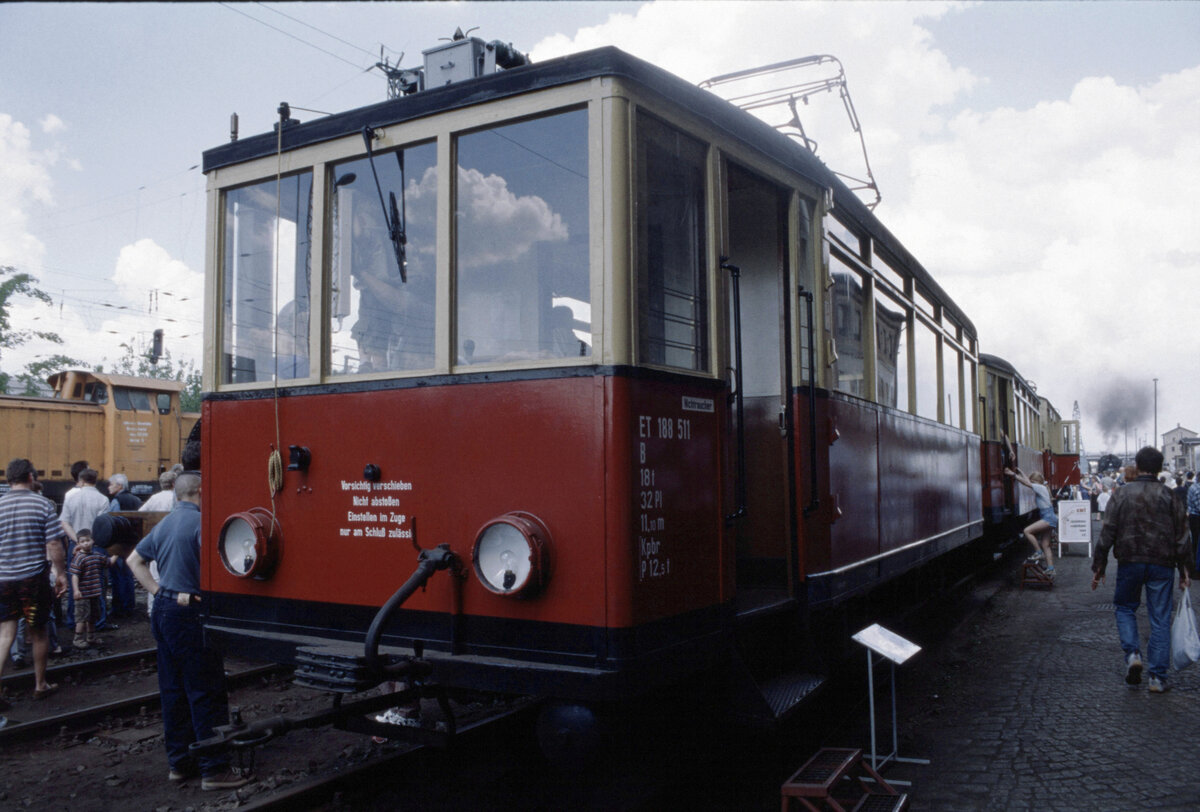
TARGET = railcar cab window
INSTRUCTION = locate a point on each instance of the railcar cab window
(266, 267)
(378, 322)
(523, 281)
(670, 222)
(164, 402)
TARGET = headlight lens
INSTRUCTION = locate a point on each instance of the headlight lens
(511, 554)
(249, 543)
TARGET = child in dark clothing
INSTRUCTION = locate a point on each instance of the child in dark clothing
(86, 567)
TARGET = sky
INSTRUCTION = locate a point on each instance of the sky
(1039, 159)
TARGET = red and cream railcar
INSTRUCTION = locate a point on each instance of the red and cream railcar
(647, 368)
(1060, 441)
(1012, 436)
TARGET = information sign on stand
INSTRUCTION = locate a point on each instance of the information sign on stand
(897, 651)
(1075, 523)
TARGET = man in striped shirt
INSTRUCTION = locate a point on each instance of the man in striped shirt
(30, 543)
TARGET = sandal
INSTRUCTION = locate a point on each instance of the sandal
(42, 693)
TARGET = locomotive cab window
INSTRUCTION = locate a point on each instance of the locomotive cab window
(164, 402)
(266, 268)
(96, 393)
(523, 276)
(378, 321)
(137, 400)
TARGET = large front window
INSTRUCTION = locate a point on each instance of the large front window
(522, 282)
(378, 321)
(266, 268)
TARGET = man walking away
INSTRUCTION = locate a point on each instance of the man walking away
(30, 533)
(191, 676)
(1146, 528)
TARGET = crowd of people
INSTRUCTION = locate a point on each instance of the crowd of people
(74, 569)
(1149, 521)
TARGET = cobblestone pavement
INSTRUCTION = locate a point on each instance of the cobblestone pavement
(1025, 707)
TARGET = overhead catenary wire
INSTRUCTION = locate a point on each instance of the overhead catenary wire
(291, 35)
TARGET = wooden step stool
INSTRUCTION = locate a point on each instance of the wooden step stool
(1032, 574)
(816, 782)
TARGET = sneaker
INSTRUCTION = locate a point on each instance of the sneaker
(229, 779)
(1049, 571)
(182, 773)
(1157, 686)
(1133, 669)
(1036, 557)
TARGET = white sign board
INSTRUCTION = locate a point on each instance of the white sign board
(886, 642)
(1074, 521)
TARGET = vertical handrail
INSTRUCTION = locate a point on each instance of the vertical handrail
(739, 493)
(814, 500)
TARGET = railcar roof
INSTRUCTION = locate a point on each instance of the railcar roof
(608, 61)
(996, 362)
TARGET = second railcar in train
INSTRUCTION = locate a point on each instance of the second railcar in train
(634, 368)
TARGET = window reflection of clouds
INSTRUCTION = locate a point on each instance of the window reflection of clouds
(497, 226)
(521, 213)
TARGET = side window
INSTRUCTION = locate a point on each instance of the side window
(266, 266)
(891, 353)
(950, 370)
(164, 402)
(927, 370)
(121, 399)
(522, 269)
(377, 321)
(848, 302)
(672, 280)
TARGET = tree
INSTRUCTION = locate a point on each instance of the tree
(15, 285)
(32, 381)
(167, 369)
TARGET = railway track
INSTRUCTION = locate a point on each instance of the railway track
(78, 721)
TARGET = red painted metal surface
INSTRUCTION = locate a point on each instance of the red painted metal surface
(622, 472)
(885, 481)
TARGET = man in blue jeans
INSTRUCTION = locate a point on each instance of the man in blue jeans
(191, 676)
(1146, 528)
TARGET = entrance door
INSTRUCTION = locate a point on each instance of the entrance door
(757, 212)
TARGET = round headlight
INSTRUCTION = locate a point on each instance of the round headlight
(249, 545)
(511, 554)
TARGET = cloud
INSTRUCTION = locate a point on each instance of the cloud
(149, 287)
(23, 177)
(52, 124)
(1066, 231)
